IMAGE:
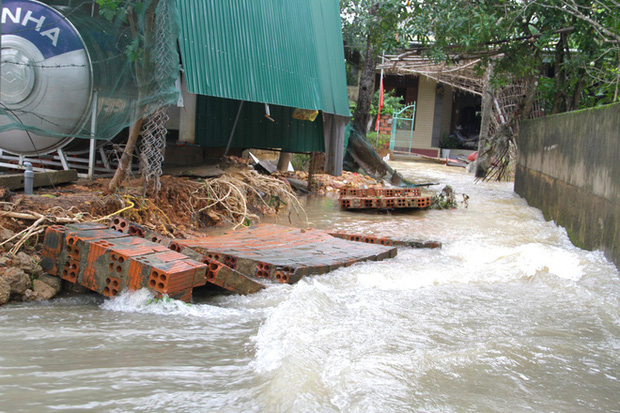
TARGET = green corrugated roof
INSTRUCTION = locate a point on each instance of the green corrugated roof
(283, 52)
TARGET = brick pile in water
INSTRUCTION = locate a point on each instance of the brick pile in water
(130, 256)
(107, 261)
(385, 198)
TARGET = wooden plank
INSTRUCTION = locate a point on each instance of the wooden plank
(16, 181)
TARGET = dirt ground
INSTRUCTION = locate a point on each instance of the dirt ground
(184, 206)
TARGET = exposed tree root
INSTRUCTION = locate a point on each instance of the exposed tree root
(241, 197)
(183, 206)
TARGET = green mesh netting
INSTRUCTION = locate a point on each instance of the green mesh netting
(63, 60)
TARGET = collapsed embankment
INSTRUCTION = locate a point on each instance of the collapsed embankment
(183, 207)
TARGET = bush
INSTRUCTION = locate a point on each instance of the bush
(391, 103)
(300, 161)
(449, 142)
(378, 141)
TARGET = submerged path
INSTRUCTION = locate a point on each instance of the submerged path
(507, 316)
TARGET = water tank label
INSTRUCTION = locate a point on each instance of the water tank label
(43, 26)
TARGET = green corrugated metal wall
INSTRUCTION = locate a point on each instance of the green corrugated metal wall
(330, 56)
(216, 116)
(282, 52)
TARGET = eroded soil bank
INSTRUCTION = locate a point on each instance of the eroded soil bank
(184, 206)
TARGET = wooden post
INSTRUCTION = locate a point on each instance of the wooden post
(317, 166)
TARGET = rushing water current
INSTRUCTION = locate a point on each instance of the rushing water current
(508, 316)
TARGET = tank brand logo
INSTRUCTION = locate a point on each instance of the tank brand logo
(28, 18)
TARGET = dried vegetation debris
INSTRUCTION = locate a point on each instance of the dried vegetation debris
(448, 199)
(182, 207)
(326, 183)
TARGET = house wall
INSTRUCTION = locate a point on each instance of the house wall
(427, 124)
(425, 112)
(448, 100)
(568, 168)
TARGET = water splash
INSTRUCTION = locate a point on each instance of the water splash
(144, 302)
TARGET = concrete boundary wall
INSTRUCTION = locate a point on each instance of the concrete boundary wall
(569, 167)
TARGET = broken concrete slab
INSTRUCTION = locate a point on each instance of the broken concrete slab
(371, 239)
(16, 181)
(285, 254)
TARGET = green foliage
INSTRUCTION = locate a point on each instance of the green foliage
(578, 39)
(132, 16)
(124, 10)
(449, 142)
(370, 27)
(351, 76)
(381, 20)
(109, 8)
(300, 161)
(377, 141)
(352, 106)
(391, 103)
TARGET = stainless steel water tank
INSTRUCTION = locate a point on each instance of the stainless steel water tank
(47, 79)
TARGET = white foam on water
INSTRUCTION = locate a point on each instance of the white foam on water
(459, 263)
(143, 301)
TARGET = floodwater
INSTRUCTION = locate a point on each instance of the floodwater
(508, 316)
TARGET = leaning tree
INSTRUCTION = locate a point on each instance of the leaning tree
(562, 53)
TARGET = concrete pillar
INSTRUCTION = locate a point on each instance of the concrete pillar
(283, 161)
(187, 127)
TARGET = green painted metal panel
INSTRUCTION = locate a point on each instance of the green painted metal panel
(330, 56)
(283, 52)
(216, 116)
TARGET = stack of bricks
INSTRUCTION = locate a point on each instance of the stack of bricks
(220, 268)
(285, 254)
(371, 239)
(108, 261)
(238, 259)
(384, 198)
(385, 125)
(129, 256)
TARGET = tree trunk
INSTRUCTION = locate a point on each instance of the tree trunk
(123, 165)
(577, 93)
(617, 79)
(366, 89)
(483, 161)
(560, 76)
(530, 97)
(142, 67)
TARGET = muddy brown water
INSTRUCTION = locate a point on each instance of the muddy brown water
(508, 316)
